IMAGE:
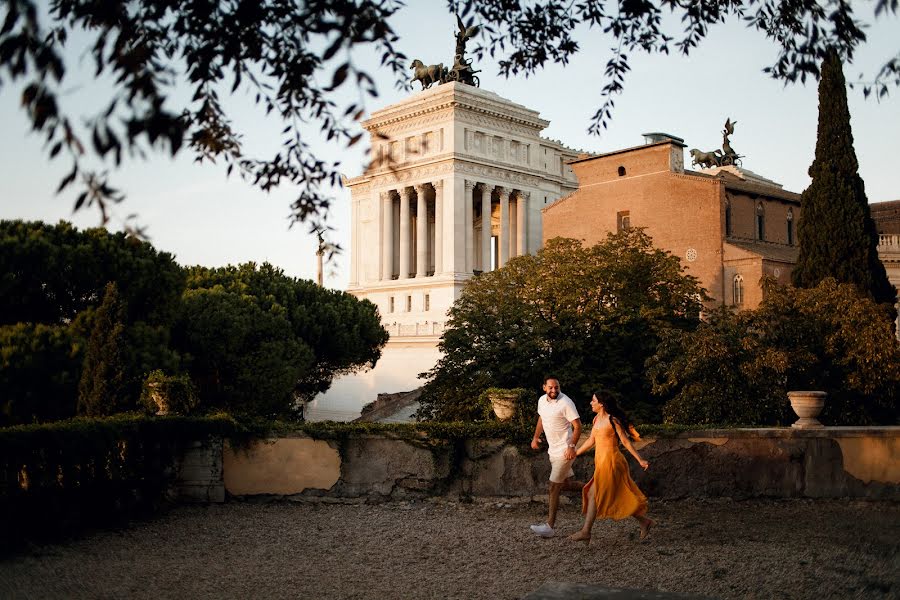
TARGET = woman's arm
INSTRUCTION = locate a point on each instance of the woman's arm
(627, 443)
(589, 443)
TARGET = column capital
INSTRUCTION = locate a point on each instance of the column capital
(502, 191)
(406, 192)
(438, 185)
(470, 185)
(420, 188)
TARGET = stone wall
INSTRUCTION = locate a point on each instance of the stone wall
(738, 463)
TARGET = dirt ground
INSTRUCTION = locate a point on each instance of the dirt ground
(439, 549)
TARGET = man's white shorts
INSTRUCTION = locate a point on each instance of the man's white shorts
(561, 469)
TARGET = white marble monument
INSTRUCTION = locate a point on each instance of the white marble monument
(456, 185)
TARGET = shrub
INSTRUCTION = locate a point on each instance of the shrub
(39, 367)
(738, 368)
(61, 477)
(102, 389)
(590, 316)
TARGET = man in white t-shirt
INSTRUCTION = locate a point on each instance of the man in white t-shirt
(558, 420)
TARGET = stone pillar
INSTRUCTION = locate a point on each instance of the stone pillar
(485, 227)
(522, 223)
(387, 236)
(421, 232)
(469, 225)
(405, 198)
(354, 241)
(438, 226)
(504, 227)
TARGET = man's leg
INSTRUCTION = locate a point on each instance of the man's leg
(555, 489)
(572, 486)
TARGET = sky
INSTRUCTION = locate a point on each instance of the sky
(196, 213)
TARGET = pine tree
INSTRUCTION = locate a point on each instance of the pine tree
(100, 391)
(836, 234)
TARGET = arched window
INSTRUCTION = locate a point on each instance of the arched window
(621, 171)
(738, 285)
(790, 227)
(760, 222)
(727, 217)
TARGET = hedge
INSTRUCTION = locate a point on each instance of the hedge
(61, 477)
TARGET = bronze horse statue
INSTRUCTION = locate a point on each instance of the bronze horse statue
(426, 74)
(707, 160)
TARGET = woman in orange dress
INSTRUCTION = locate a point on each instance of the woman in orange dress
(611, 493)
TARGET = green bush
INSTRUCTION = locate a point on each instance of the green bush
(61, 477)
(588, 315)
(39, 368)
(738, 368)
(102, 390)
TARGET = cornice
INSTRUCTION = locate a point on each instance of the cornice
(457, 97)
(453, 163)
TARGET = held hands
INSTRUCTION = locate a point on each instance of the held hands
(570, 453)
(535, 443)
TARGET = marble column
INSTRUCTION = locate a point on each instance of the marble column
(438, 226)
(503, 193)
(522, 223)
(387, 236)
(469, 225)
(421, 232)
(485, 227)
(405, 198)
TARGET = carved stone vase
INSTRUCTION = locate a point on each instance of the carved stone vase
(160, 397)
(504, 403)
(807, 405)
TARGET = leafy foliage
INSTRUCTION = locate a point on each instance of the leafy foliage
(59, 478)
(254, 335)
(52, 273)
(39, 366)
(253, 340)
(536, 33)
(590, 316)
(52, 280)
(290, 57)
(738, 368)
(102, 389)
(837, 235)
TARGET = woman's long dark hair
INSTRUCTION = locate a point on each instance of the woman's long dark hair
(609, 402)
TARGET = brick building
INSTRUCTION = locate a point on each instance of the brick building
(728, 225)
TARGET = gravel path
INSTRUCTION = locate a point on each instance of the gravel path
(437, 549)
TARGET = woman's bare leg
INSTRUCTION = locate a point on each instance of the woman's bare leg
(589, 516)
(646, 523)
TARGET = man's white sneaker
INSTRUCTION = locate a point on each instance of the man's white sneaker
(543, 530)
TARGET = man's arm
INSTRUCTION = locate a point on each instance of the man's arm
(576, 435)
(538, 430)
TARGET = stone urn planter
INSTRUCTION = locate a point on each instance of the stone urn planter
(503, 402)
(807, 405)
(159, 396)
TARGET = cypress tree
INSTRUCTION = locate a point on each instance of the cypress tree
(836, 234)
(102, 385)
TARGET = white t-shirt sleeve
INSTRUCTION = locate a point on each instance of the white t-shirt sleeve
(571, 411)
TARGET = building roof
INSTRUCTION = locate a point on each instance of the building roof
(632, 149)
(767, 250)
(886, 216)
